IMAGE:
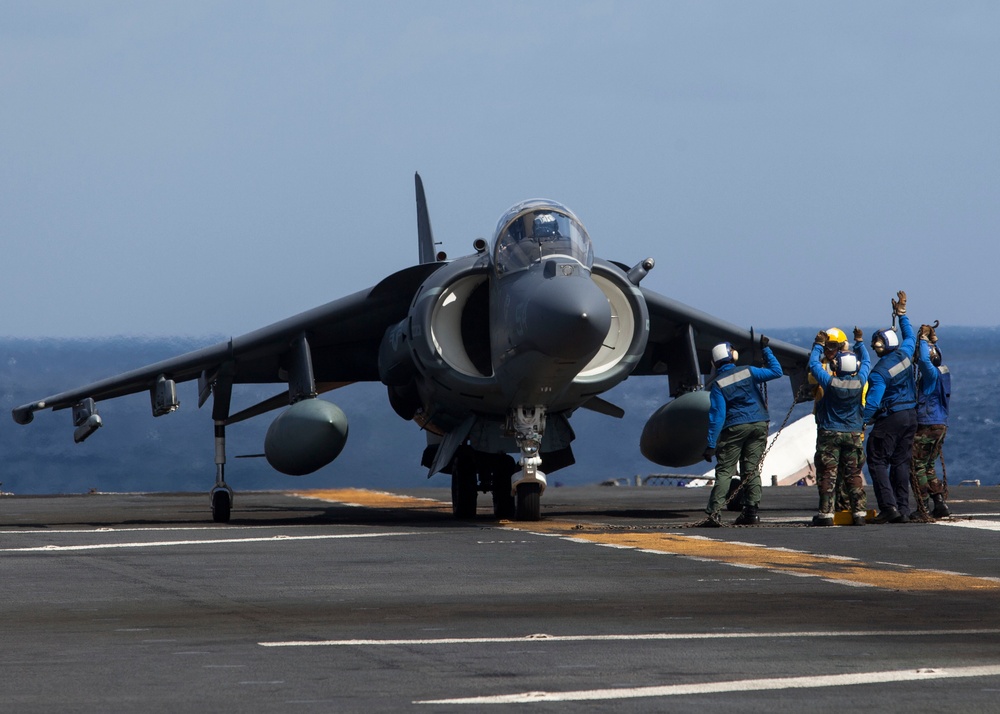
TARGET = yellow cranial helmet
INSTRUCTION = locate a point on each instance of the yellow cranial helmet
(835, 335)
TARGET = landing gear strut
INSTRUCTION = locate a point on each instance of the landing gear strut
(222, 495)
(528, 425)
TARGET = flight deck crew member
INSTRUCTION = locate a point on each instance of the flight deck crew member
(891, 406)
(933, 396)
(840, 429)
(737, 428)
(836, 341)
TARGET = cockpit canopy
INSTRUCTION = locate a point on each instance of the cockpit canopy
(537, 229)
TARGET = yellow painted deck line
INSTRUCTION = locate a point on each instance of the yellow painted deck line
(373, 499)
(838, 569)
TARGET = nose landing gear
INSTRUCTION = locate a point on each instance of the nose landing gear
(528, 425)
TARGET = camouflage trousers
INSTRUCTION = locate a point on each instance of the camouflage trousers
(839, 457)
(927, 443)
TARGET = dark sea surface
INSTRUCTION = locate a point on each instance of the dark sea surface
(135, 452)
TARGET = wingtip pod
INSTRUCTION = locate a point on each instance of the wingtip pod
(24, 414)
(677, 433)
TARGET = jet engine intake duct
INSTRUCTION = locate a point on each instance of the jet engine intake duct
(626, 338)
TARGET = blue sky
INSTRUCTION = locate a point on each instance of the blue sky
(206, 168)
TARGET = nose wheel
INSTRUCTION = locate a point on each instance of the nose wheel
(529, 502)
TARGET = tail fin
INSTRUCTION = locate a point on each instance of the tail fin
(425, 239)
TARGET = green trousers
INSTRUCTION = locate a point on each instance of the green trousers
(741, 444)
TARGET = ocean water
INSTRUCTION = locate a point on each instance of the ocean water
(135, 452)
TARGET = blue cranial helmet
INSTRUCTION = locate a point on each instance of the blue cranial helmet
(723, 353)
(885, 340)
(845, 364)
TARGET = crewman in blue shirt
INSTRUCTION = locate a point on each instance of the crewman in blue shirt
(840, 430)
(737, 429)
(891, 406)
(933, 397)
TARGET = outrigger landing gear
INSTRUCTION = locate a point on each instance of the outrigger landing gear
(528, 425)
(221, 494)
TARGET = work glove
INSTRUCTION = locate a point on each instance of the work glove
(859, 336)
(764, 341)
(899, 306)
(709, 454)
(924, 333)
(821, 338)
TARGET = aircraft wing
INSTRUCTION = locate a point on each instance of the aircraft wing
(681, 340)
(344, 337)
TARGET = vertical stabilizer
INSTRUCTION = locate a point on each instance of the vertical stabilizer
(425, 238)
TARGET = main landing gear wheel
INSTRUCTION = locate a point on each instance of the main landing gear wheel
(529, 502)
(501, 468)
(464, 484)
(464, 494)
(222, 505)
(503, 499)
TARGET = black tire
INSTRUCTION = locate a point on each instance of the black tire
(221, 506)
(503, 500)
(502, 470)
(464, 485)
(529, 502)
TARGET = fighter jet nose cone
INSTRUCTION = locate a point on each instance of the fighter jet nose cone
(568, 317)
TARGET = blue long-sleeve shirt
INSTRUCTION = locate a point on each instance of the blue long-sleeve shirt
(747, 405)
(935, 389)
(928, 372)
(840, 407)
(880, 380)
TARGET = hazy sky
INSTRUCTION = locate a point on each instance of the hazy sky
(207, 168)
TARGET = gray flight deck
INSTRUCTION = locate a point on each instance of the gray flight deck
(368, 602)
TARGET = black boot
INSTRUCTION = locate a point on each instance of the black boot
(749, 517)
(712, 521)
(941, 509)
(889, 514)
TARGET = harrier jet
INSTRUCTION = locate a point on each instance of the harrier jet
(489, 354)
